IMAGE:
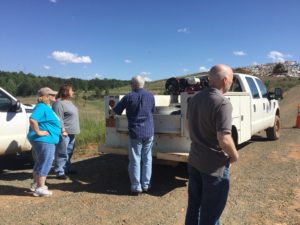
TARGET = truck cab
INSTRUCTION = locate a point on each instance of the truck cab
(264, 109)
(14, 120)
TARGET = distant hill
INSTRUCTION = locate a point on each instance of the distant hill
(285, 69)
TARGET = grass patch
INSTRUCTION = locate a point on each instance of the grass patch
(91, 115)
(285, 83)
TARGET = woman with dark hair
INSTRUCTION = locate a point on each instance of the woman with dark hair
(43, 135)
(68, 114)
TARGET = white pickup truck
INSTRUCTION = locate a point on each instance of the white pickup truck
(14, 124)
(254, 110)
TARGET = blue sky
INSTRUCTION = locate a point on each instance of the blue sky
(155, 38)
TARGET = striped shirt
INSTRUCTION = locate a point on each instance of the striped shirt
(140, 106)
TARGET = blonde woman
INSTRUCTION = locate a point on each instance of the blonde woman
(43, 135)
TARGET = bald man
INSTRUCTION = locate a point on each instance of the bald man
(212, 149)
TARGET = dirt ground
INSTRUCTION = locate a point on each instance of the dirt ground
(265, 187)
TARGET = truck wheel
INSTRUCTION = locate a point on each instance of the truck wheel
(273, 133)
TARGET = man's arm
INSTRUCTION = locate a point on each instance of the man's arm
(227, 144)
(118, 109)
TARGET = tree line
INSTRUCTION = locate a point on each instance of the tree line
(22, 84)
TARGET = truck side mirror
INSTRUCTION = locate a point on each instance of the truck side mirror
(278, 93)
(271, 95)
(15, 106)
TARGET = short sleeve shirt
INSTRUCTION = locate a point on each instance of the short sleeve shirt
(209, 112)
(140, 106)
(68, 114)
(47, 121)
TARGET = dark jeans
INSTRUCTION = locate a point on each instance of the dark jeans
(207, 197)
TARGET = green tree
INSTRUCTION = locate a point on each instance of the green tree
(11, 87)
(25, 89)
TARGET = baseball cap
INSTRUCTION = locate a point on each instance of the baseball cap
(46, 91)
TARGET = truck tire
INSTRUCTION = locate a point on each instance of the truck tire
(273, 133)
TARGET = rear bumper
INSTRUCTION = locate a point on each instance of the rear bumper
(169, 156)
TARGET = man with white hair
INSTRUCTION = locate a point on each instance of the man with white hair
(212, 149)
(140, 106)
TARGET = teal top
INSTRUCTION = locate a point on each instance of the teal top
(47, 121)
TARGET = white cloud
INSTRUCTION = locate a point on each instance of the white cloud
(146, 76)
(203, 69)
(239, 53)
(98, 76)
(128, 61)
(145, 73)
(53, 1)
(185, 70)
(210, 60)
(184, 30)
(46, 67)
(68, 57)
(278, 56)
(255, 63)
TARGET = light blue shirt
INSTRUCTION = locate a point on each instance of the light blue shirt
(47, 121)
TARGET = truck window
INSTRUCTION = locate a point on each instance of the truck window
(5, 103)
(253, 88)
(236, 86)
(262, 88)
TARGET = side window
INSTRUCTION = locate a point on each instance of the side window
(5, 103)
(253, 88)
(262, 88)
(236, 86)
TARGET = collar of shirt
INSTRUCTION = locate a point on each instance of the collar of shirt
(139, 90)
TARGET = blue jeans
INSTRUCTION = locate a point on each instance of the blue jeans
(207, 197)
(140, 150)
(43, 154)
(63, 154)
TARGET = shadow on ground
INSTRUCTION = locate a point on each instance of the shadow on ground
(106, 174)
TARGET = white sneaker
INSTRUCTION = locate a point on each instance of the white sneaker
(33, 186)
(42, 192)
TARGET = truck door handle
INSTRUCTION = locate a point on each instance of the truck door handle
(254, 108)
(264, 105)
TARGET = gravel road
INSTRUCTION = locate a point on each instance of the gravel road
(265, 187)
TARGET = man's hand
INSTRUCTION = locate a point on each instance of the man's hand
(227, 144)
(111, 112)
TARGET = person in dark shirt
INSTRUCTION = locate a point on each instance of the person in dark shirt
(140, 106)
(212, 150)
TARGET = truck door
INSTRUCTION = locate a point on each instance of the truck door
(258, 107)
(268, 113)
(13, 125)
